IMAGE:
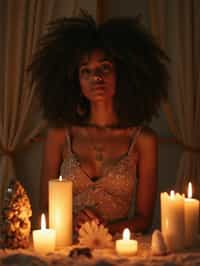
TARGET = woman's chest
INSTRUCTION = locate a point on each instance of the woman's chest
(97, 150)
(112, 144)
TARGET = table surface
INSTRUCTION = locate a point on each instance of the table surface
(104, 257)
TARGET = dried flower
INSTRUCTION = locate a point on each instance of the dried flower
(94, 236)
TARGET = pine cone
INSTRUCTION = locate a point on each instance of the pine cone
(16, 213)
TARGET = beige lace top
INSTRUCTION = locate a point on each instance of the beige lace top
(111, 195)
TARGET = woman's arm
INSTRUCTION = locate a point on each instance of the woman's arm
(52, 158)
(147, 147)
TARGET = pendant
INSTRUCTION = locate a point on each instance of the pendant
(99, 153)
(99, 156)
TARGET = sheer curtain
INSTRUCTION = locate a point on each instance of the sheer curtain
(176, 24)
(21, 23)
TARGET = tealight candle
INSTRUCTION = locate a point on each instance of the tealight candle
(191, 209)
(126, 246)
(44, 239)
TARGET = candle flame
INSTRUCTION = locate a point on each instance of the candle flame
(43, 222)
(189, 190)
(60, 178)
(172, 194)
(126, 234)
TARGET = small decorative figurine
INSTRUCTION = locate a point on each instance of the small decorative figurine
(16, 213)
(80, 252)
(158, 246)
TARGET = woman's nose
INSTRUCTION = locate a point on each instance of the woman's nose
(96, 74)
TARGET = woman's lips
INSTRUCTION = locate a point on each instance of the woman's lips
(99, 87)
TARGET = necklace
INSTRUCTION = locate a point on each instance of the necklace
(108, 126)
(96, 143)
(99, 150)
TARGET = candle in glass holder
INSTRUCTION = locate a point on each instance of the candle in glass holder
(191, 218)
(44, 239)
(126, 246)
(60, 210)
(172, 220)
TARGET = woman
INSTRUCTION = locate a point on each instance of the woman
(98, 87)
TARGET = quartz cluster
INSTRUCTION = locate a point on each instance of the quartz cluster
(16, 213)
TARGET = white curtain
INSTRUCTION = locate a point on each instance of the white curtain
(21, 24)
(176, 25)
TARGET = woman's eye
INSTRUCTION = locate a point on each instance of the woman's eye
(84, 72)
(106, 68)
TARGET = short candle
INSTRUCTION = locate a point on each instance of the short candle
(44, 239)
(126, 246)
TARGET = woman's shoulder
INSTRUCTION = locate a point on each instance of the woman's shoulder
(57, 134)
(147, 137)
(147, 131)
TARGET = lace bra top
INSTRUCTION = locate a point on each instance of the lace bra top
(111, 195)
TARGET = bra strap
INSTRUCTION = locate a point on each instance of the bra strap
(68, 140)
(135, 134)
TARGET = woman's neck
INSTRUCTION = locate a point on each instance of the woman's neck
(103, 115)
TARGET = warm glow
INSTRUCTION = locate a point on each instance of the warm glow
(60, 178)
(126, 234)
(167, 223)
(189, 190)
(172, 194)
(43, 222)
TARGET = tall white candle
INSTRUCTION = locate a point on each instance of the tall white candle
(60, 210)
(191, 218)
(172, 220)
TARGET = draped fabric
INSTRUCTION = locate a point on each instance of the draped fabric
(21, 24)
(176, 25)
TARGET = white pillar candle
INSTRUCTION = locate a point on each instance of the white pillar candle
(126, 246)
(172, 220)
(44, 239)
(191, 218)
(60, 210)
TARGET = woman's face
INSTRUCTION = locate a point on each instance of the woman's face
(97, 77)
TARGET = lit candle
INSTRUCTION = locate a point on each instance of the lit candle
(191, 218)
(60, 210)
(44, 239)
(126, 246)
(172, 220)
